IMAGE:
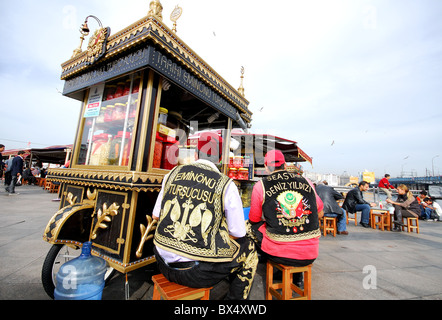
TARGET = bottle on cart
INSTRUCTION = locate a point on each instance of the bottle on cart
(81, 278)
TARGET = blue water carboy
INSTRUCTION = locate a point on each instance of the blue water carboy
(81, 278)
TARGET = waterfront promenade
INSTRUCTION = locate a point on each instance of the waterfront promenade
(367, 264)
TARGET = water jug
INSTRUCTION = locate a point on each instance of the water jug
(81, 278)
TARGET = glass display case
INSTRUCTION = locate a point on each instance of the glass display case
(109, 121)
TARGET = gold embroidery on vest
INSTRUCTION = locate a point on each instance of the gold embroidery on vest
(180, 229)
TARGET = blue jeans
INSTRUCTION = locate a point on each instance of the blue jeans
(365, 216)
(341, 220)
(426, 213)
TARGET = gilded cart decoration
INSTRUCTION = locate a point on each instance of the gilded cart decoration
(104, 216)
(97, 45)
(147, 234)
(55, 225)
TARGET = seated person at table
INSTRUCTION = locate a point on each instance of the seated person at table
(201, 234)
(284, 215)
(29, 177)
(432, 209)
(405, 206)
(329, 196)
(354, 201)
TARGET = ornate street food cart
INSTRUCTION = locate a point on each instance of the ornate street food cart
(143, 93)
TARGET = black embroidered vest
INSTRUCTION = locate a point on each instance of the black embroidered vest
(289, 207)
(192, 221)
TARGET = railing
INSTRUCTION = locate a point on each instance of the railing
(374, 194)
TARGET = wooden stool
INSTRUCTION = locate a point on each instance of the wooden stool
(287, 285)
(54, 188)
(410, 226)
(173, 291)
(328, 224)
(41, 182)
(384, 221)
(47, 185)
(353, 219)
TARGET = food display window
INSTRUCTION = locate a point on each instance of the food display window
(109, 120)
(180, 118)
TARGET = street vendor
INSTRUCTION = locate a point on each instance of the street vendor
(201, 235)
(284, 215)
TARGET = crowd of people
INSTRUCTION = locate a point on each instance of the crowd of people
(14, 172)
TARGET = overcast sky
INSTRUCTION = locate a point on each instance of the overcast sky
(356, 83)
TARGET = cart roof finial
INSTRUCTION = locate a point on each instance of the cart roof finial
(241, 87)
(156, 9)
(175, 15)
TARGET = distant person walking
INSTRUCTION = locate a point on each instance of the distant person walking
(2, 165)
(16, 172)
(385, 186)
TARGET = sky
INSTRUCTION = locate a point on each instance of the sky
(357, 83)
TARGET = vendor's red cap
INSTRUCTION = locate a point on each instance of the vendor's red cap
(210, 144)
(274, 158)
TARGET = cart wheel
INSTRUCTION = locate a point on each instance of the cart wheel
(56, 257)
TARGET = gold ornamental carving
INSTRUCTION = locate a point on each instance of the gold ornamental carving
(175, 15)
(146, 233)
(71, 199)
(104, 216)
(156, 10)
(96, 46)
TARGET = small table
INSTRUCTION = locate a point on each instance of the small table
(384, 218)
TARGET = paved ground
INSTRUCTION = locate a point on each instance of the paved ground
(396, 265)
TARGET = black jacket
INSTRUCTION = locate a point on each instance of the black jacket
(17, 166)
(329, 196)
(354, 197)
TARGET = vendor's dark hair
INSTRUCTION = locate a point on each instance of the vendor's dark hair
(272, 168)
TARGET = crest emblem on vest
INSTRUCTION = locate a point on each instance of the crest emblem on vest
(292, 210)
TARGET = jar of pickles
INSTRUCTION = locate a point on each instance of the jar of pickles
(231, 162)
(126, 88)
(120, 89)
(233, 173)
(110, 93)
(238, 161)
(162, 117)
(158, 152)
(115, 149)
(100, 118)
(119, 112)
(108, 113)
(243, 174)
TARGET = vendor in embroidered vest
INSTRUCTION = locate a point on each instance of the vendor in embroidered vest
(284, 215)
(201, 234)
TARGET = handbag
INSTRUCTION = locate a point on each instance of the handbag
(18, 183)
